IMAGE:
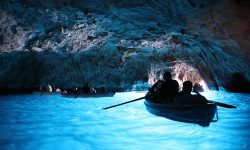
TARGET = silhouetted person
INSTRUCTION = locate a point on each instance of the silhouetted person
(49, 88)
(86, 88)
(197, 87)
(46, 88)
(165, 90)
(186, 98)
(92, 90)
(58, 90)
(186, 89)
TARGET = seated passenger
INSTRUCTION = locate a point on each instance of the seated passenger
(197, 87)
(86, 88)
(49, 87)
(58, 90)
(165, 90)
(186, 98)
(92, 90)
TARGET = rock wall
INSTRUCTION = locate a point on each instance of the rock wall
(117, 44)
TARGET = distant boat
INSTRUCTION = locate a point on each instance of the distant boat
(45, 93)
(86, 95)
(199, 114)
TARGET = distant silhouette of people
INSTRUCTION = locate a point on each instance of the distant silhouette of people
(86, 88)
(186, 98)
(165, 90)
(46, 88)
(49, 88)
(197, 87)
(58, 90)
(92, 90)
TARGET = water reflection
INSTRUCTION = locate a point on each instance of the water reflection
(53, 122)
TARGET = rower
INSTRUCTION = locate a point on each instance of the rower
(86, 88)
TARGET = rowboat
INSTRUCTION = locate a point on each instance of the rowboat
(45, 93)
(87, 95)
(201, 114)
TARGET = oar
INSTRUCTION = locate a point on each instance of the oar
(124, 103)
(76, 95)
(223, 104)
(217, 103)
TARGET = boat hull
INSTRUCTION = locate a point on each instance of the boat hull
(198, 114)
(88, 95)
(45, 93)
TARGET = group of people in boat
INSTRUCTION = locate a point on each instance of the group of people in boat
(87, 89)
(48, 88)
(163, 91)
(84, 89)
(167, 91)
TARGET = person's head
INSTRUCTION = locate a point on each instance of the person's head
(187, 87)
(167, 76)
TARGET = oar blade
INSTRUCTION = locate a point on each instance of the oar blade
(225, 105)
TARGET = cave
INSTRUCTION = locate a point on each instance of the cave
(120, 44)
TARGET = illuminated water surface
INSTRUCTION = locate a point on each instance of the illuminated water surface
(54, 122)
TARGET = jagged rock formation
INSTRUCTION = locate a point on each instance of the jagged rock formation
(119, 43)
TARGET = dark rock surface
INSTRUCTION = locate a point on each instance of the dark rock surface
(238, 83)
(118, 44)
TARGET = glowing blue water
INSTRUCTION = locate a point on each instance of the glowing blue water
(54, 122)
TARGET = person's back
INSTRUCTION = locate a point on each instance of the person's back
(163, 91)
(186, 98)
(169, 88)
(86, 88)
(189, 99)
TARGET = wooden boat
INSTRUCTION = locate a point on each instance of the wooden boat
(199, 114)
(86, 95)
(45, 93)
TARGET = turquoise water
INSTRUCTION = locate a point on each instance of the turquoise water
(53, 122)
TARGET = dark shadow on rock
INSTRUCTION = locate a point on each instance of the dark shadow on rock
(238, 83)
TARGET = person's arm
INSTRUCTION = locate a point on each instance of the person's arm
(201, 97)
(156, 86)
(196, 92)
